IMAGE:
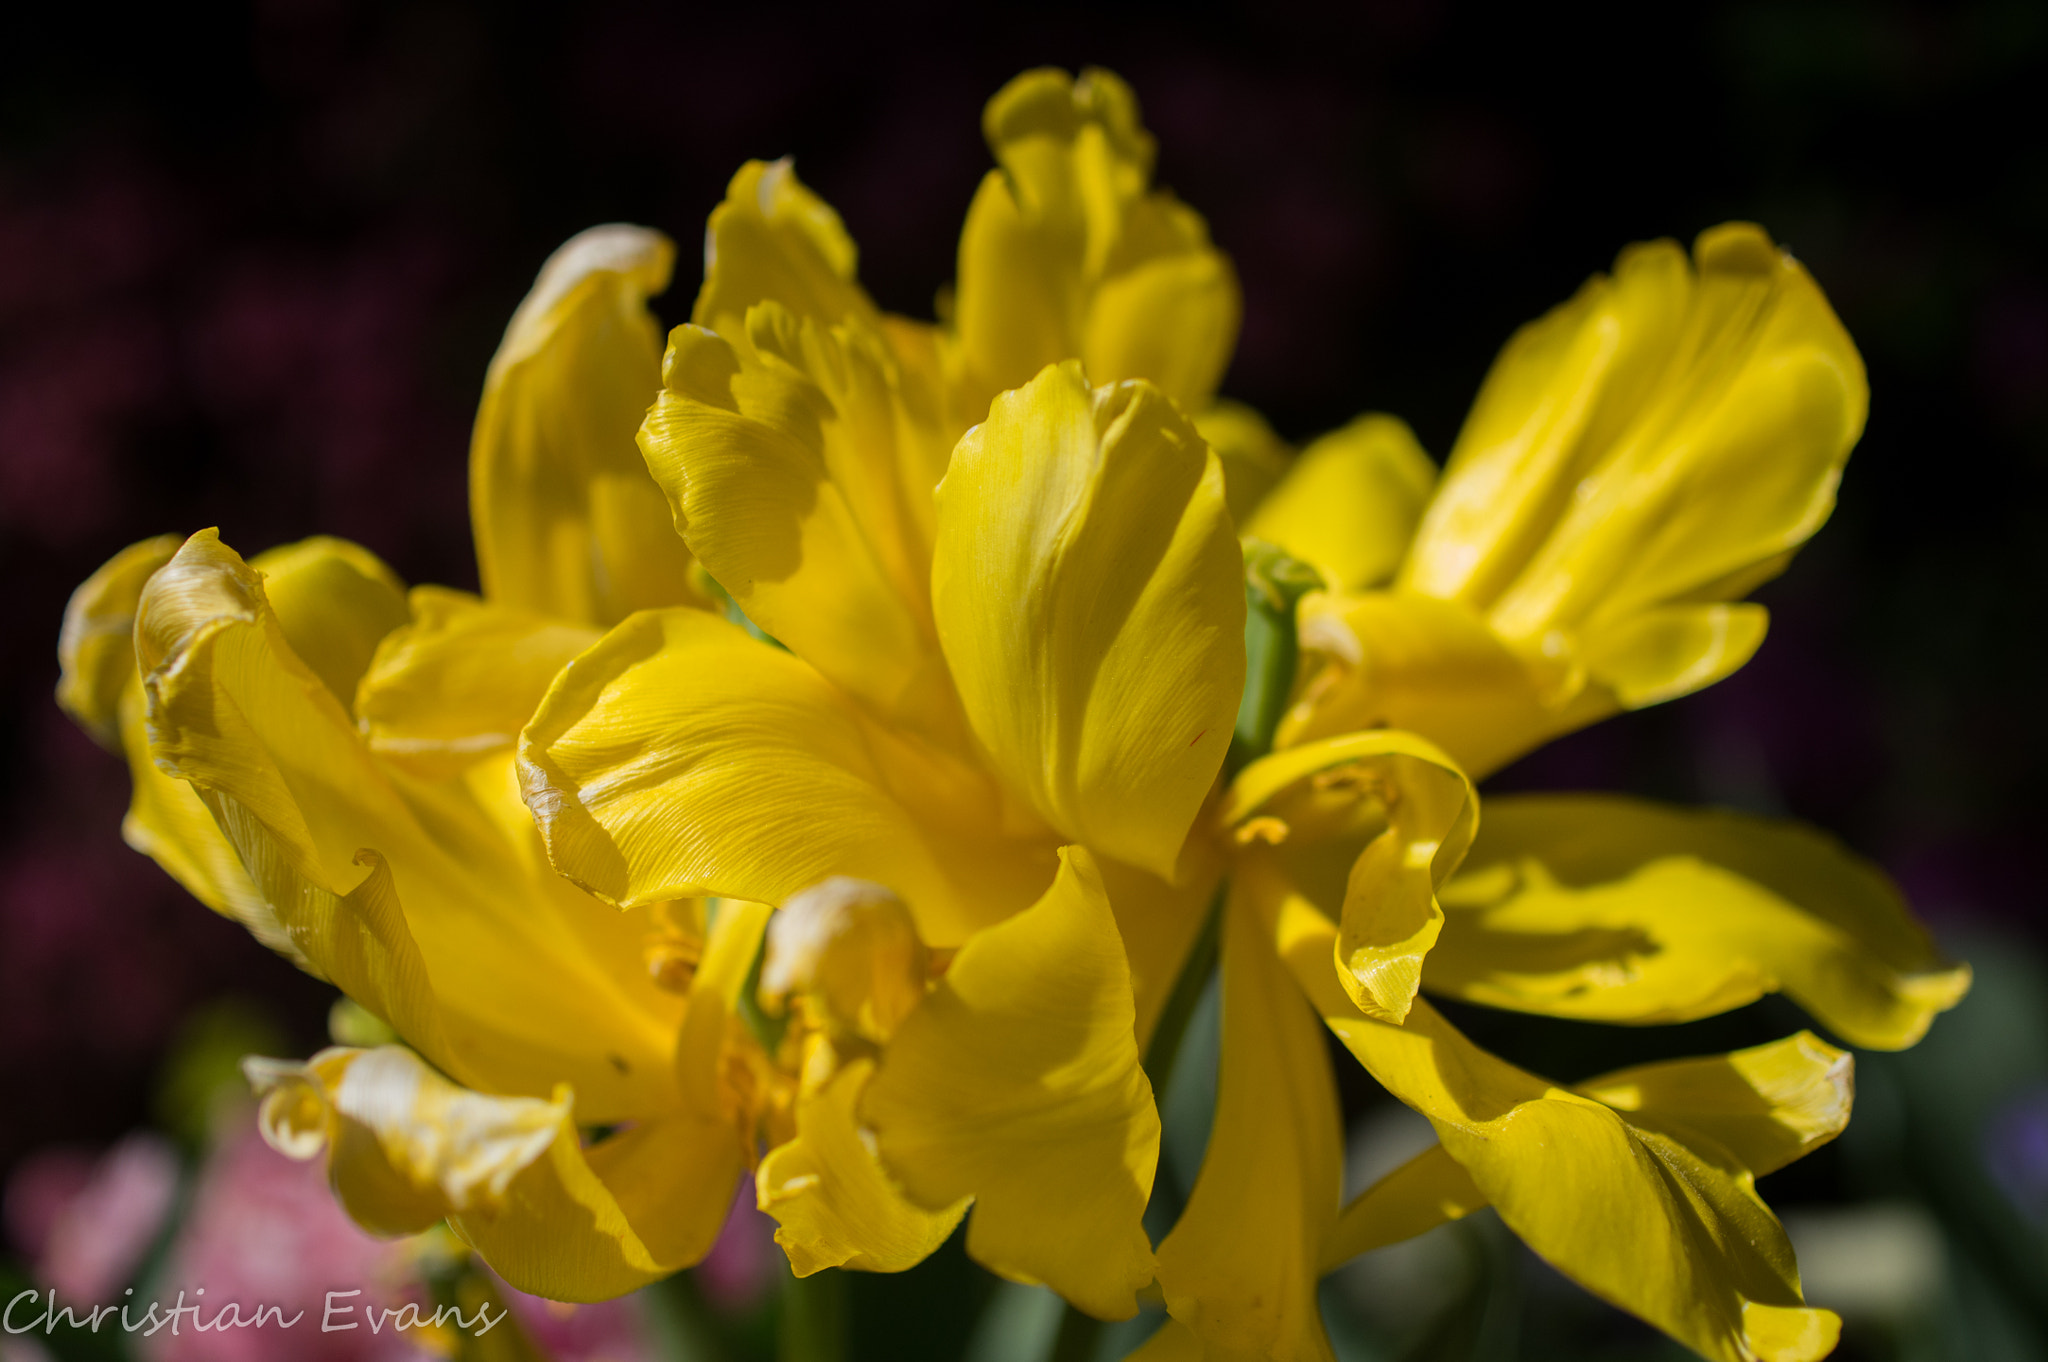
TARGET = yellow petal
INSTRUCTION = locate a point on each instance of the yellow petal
(168, 822)
(406, 1148)
(1659, 1219)
(459, 681)
(1254, 458)
(1397, 805)
(1766, 1106)
(1665, 430)
(102, 690)
(1172, 1341)
(1240, 1268)
(1089, 594)
(1394, 659)
(335, 602)
(96, 647)
(773, 240)
(1673, 650)
(682, 758)
(1159, 923)
(1017, 1083)
(567, 522)
(1612, 909)
(1172, 319)
(800, 471)
(1350, 503)
(1067, 253)
(1429, 1190)
(834, 1204)
(406, 894)
(850, 949)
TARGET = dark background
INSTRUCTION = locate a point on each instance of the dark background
(253, 260)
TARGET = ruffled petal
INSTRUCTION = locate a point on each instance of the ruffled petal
(1656, 447)
(1393, 659)
(406, 894)
(457, 683)
(800, 470)
(1605, 908)
(1660, 1219)
(681, 757)
(407, 1148)
(1017, 1082)
(96, 646)
(567, 522)
(334, 602)
(834, 1203)
(1402, 810)
(773, 240)
(1241, 1266)
(101, 690)
(168, 822)
(1068, 253)
(1665, 431)
(1089, 594)
(1766, 1106)
(1350, 503)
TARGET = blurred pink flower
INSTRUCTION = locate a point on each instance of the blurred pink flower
(610, 1331)
(744, 1262)
(87, 1225)
(263, 1230)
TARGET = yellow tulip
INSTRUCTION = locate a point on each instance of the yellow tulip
(356, 810)
(1657, 446)
(328, 759)
(952, 771)
(1636, 461)
(1073, 671)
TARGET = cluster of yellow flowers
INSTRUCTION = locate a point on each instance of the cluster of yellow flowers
(837, 784)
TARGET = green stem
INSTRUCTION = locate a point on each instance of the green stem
(814, 1318)
(1273, 586)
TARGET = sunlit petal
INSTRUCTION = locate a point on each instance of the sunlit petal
(458, 682)
(835, 1204)
(1766, 1106)
(1655, 1217)
(1394, 817)
(1350, 502)
(1241, 1266)
(681, 757)
(1089, 595)
(800, 472)
(1068, 253)
(406, 1148)
(1017, 1083)
(1612, 909)
(406, 894)
(567, 522)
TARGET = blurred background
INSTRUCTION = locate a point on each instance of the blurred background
(254, 259)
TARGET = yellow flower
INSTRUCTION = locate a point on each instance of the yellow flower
(1659, 444)
(962, 715)
(328, 759)
(1636, 461)
(1073, 671)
